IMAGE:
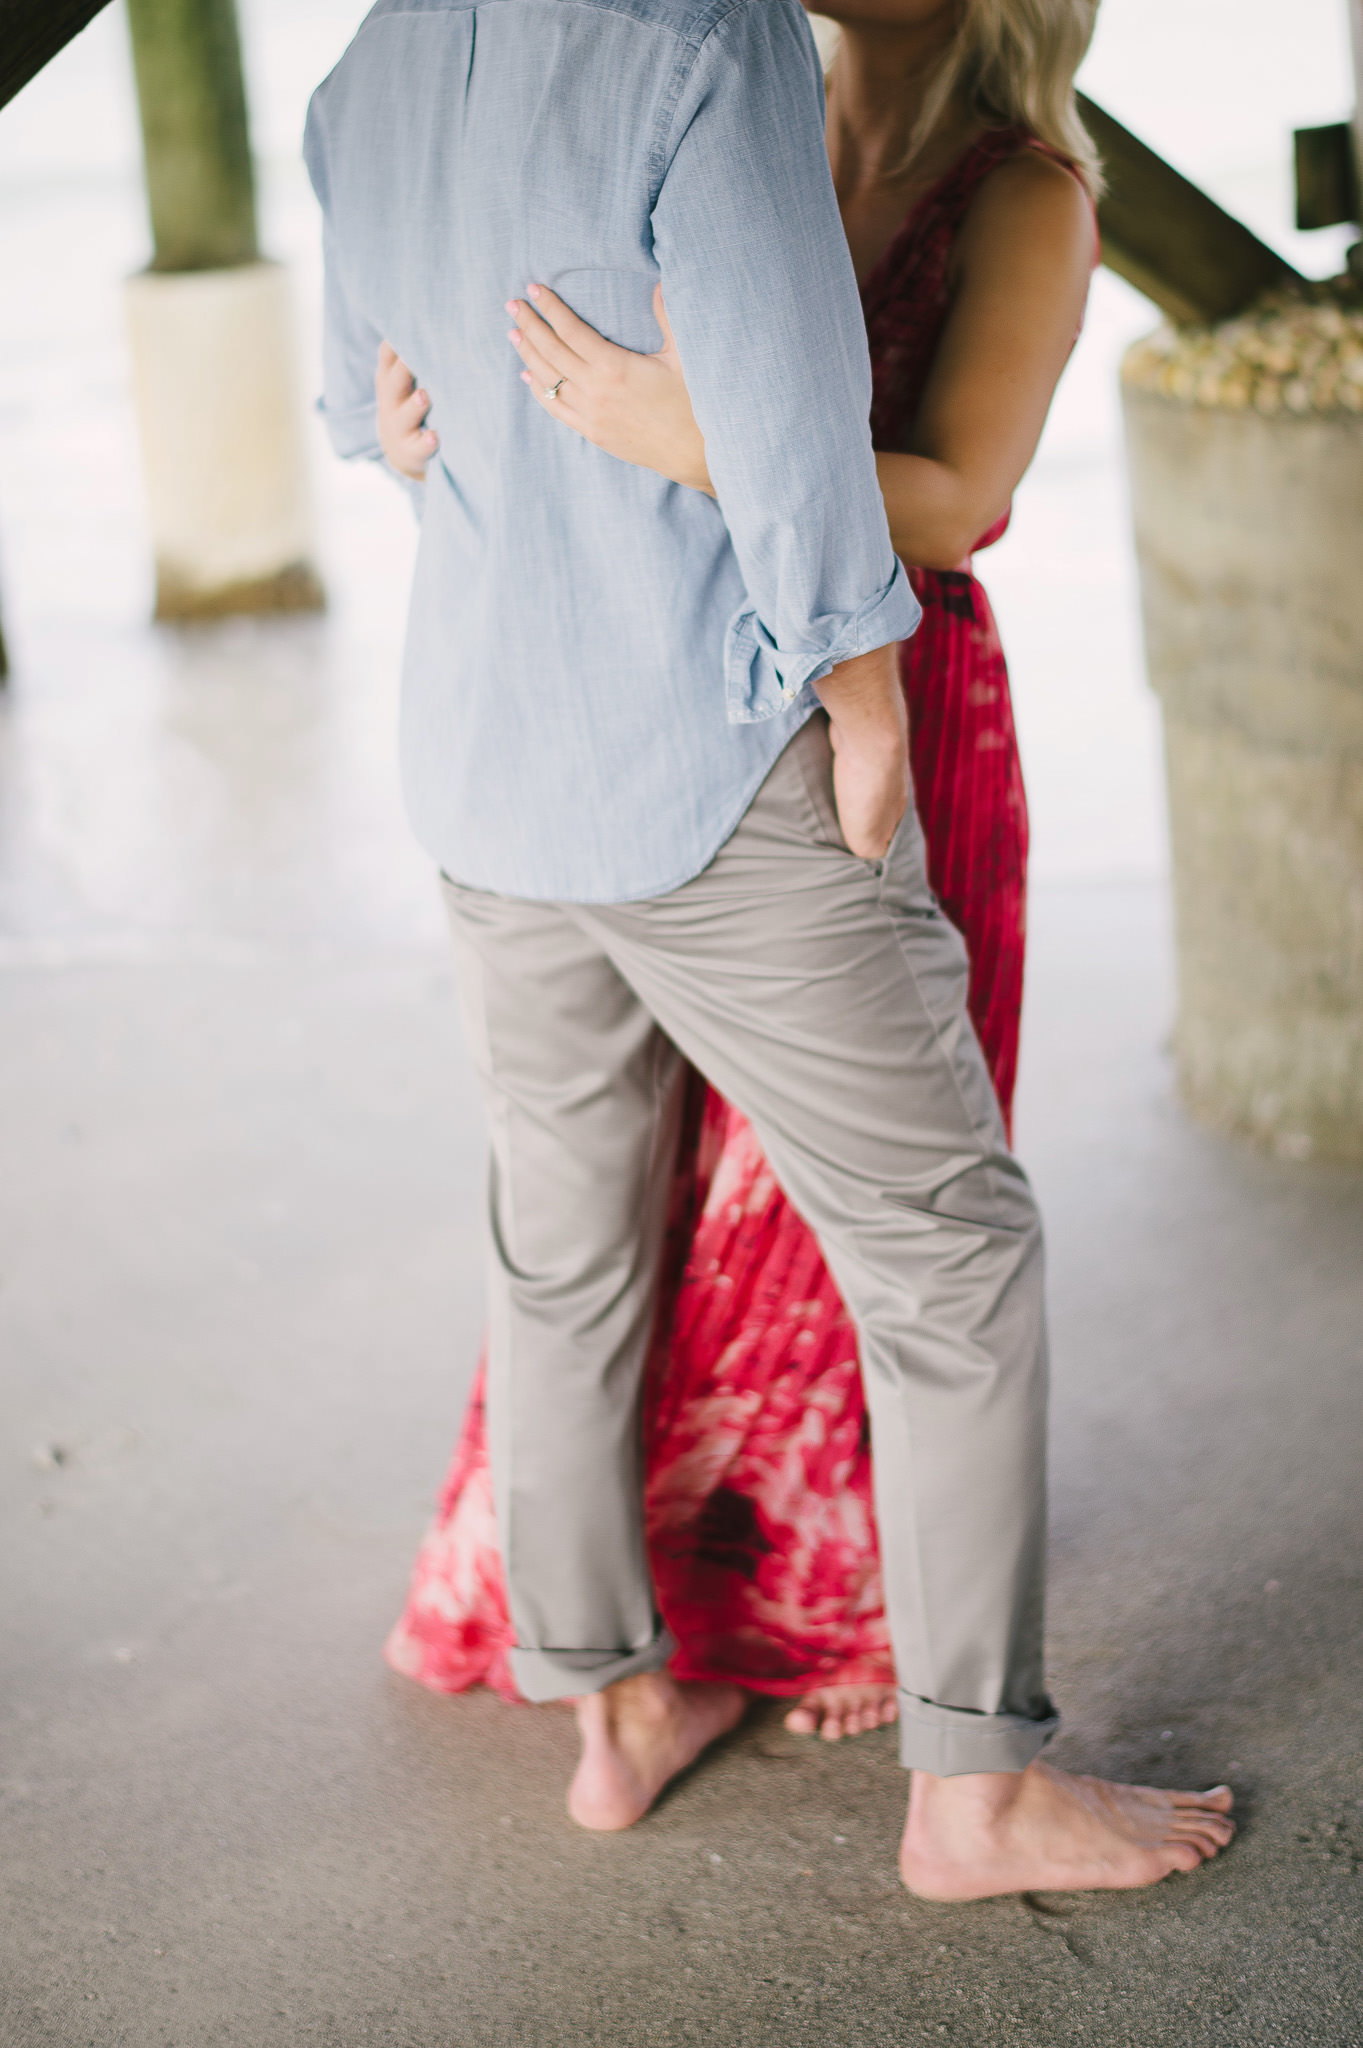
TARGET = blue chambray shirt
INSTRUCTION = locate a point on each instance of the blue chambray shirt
(601, 666)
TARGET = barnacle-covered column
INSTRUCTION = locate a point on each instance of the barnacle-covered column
(211, 332)
(1246, 451)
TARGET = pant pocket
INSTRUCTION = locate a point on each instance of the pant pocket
(812, 750)
(815, 759)
(907, 826)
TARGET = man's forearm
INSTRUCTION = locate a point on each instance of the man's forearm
(863, 697)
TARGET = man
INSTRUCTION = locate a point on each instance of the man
(656, 745)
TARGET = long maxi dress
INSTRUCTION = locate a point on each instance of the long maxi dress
(758, 1471)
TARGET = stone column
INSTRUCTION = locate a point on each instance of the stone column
(1246, 452)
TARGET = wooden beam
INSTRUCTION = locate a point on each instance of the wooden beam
(31, 34)
(1165, 236)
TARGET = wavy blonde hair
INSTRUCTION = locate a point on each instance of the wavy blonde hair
(1013, 63)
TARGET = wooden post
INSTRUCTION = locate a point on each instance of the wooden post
(1329, 160)
(200, 184)
(1355, 41)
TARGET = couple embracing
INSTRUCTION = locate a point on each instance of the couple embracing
(726, 802)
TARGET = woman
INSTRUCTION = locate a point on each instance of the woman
(965, 182)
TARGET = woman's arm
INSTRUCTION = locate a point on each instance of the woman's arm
(1023, 263)
(1022, 271)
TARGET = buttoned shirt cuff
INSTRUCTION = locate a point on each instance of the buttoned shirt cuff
(762, 680)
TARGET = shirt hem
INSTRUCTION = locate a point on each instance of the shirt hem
(799, 715)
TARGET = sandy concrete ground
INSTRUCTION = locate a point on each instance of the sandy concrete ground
(238, 1301)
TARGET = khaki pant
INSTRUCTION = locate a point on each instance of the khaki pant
(825, 996)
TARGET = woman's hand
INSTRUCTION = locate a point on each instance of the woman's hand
(403, 435)
(636, 407)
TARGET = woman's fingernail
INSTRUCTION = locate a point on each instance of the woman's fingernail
(533, 290)
(525, 376)
(515, 337)
(510, 305)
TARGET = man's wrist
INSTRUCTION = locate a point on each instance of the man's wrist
(864, 700)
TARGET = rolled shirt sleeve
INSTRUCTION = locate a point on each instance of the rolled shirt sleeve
(763, 301)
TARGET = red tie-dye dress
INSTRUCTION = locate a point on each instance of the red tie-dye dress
(758, 1495)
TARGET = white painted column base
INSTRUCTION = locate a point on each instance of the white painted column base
(1248, 532)
(222, 441)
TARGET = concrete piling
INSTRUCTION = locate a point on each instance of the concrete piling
(1248, 509)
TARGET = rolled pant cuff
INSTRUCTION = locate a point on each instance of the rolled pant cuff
(542, 1675)
(951, 1741)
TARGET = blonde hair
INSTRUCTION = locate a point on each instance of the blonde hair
(1013, 63)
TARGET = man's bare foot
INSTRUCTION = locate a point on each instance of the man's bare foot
(639, 1734)
(1043, 1830)
(833, 1711)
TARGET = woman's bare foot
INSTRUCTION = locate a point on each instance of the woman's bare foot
(638, 1735)
(1043, 1830)
(833, 1711)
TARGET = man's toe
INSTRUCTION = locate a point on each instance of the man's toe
(1186, 1856)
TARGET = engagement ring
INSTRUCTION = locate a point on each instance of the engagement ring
(552, 390)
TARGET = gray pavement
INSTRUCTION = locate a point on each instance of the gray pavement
(238, 1305)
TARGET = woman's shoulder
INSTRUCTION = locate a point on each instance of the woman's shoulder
(1030, 190)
